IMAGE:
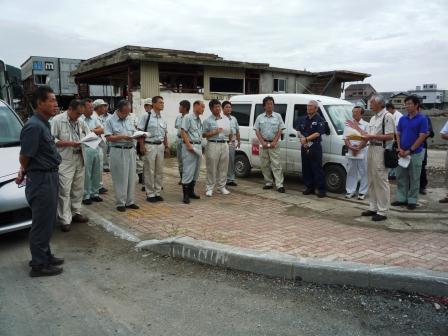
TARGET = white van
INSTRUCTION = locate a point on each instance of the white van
(292, 107)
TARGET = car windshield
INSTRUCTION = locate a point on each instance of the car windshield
(339, 114)
(10, 127)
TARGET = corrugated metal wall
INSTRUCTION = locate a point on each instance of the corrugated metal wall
(149, 79)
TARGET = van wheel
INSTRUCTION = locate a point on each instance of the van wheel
(242, 165)
(335, 177)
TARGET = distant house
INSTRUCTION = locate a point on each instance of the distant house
(362, 92)
(398, 100)
(431, 96)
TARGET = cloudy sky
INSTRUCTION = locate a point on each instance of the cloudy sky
(401, 43)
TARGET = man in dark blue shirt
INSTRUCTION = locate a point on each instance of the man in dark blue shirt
(310, 131)
(412, 131)
(39, 161)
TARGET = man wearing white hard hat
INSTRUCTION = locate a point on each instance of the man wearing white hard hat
(100, 107)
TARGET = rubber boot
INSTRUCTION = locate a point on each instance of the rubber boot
(140, 178)
(191, 193)
(185, 189)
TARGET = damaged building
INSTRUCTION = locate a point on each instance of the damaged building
(141, 72)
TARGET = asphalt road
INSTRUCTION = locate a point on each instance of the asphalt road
(107, 288)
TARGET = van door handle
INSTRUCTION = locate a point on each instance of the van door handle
(292, 135)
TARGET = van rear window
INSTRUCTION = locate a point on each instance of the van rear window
(279, 108)
(242, 113)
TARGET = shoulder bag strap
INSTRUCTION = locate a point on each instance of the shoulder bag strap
(147, 121)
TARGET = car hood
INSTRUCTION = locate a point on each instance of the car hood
(10, 161)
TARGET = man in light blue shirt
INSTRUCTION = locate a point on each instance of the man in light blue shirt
(216, 151)
(234, 141)
(268, 128)
(118, 130)
(154, 149)
(92, 167)
(184, 108)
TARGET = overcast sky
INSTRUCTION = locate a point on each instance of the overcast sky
(401, 43)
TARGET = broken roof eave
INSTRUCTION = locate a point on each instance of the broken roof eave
(345, 75)
(91, 65)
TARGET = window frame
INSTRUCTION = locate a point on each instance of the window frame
(278, 85)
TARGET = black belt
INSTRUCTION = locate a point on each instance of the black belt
(194, 142)
(376, 144)
(218, 141)
(123, 147)
(153, 142)
(267, 140)
(50, 170)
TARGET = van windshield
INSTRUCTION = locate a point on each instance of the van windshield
(10, 127)
(339, 114)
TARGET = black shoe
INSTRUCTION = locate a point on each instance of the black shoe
(143, 188)
(368, 213)
(231, 183)
(47, 270)
(267, 187)
(121, 208)
(308, 191)
(191, 193)
(411, 206)
(106, 170)
(186, 191)
(159, 199)
(377, 218)
(422, 191)
(54, 261)
(66, 227)
(321, 195)
(97, 199)
(102, 190)
(140, 178)
(397, 203)
(281, 190)
(444, 200)
(133, 206)
(87, 201)
(151, 199)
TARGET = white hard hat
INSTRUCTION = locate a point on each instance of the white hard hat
(99, 102)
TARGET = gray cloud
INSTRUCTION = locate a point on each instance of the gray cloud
(401, 44)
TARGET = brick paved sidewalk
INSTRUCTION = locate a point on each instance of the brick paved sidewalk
(265, 223)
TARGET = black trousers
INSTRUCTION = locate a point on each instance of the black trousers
(423, 176)
(313, 173)
(42, 195)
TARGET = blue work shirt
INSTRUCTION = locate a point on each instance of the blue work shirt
(37, 143)
(117, 126)
(268, 126)
(157, 127)
(211, 124)
(192, 125)
(307, 126)
(410, 129)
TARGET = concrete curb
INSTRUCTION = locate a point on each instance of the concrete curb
(282, 265)
(110, 227)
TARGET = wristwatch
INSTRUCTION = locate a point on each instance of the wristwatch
(269, 145)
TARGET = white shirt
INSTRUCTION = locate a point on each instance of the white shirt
(364, 125)
(397, 115)
(444, 129)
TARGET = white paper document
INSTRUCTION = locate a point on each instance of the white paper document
(138, 134)
(92, 140)
(404, 161)
(224, 123)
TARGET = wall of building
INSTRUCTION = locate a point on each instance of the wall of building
(149, 79)
(430, 97)
(267, 81)
(57, 72)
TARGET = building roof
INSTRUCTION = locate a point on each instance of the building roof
(145, 54)
(359, 86)
(399, 94)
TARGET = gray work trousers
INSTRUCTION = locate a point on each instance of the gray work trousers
(231, 167)
(122, 168)
(191, 164)
(42, 191)
(217, 163)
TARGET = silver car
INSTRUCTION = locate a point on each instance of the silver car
(15, 213)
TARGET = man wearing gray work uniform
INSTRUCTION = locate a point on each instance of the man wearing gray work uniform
(68, 130)
(268, 128)
(184, 108)
(100, 107)
(234, 141)
(216, 151)
(118, 130)
(39, 161)
(191, 132)
(154, 149)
